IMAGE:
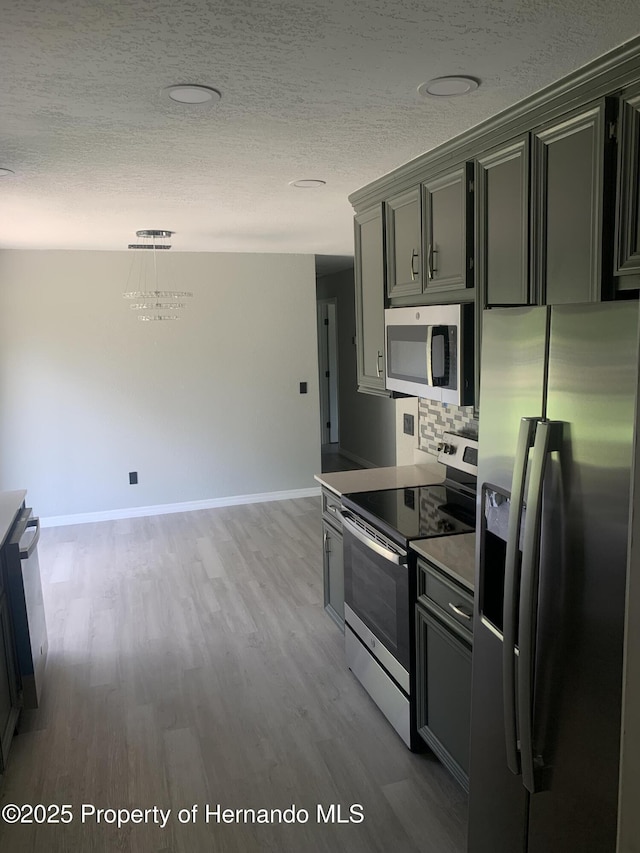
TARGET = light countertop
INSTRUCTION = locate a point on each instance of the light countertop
(375, 479)
(10, 503)
(455, 555)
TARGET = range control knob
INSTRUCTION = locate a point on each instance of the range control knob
(448, 449)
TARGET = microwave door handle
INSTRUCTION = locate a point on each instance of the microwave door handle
(397, 557)
(447, 357)
(510, 601)
(548, 439)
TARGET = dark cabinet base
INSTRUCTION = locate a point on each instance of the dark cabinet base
(9, 696)
(444, 693)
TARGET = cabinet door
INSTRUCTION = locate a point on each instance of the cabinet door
(8, 682)
(628, 190)
(448, 233)
(369, 285)
(404, 262)
(333, 573)
(444, 693)
(502, 222)
(571, 176)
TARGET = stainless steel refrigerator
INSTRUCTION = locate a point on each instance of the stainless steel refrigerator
(558, 403)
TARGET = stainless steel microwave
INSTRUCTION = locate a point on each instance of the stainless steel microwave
(429, 352)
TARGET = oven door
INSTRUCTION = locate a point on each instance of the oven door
(377, 593)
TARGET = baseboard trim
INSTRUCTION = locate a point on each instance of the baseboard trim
(358, 459)
(187, 506)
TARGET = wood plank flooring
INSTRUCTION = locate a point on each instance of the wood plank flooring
(191, 663)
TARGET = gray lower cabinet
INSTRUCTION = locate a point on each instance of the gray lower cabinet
(369, 286)
(333, 573)
(627, 259)
(9, 695)
(572, 182)
(444, 642)
(332, 560)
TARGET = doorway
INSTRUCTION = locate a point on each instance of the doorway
(328, 370)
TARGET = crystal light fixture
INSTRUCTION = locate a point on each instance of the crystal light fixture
(153, 303)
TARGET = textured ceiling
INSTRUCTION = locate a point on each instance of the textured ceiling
(310, 89)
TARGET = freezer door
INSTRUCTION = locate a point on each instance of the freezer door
(592, 386)
(513, 384)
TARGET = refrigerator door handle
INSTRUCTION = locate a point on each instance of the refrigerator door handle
(548, 439)
(510, 601)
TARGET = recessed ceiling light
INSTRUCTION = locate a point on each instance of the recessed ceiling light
(447, 87)
(187, 93)
(5, 172)
(307, 183)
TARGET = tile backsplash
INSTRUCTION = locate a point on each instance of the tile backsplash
(435, 418)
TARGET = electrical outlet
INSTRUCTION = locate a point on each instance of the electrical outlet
(303, 387)
(407, 426)
(133, 478)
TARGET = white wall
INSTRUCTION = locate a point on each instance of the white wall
(407, 445)
(206, 407)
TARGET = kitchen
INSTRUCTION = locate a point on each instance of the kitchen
(72, 335)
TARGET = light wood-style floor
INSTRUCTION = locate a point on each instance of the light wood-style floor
(332, 460)
(191, 663)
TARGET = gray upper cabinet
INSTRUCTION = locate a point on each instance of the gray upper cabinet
(447, 246)
(404, 256)
(627, 258)
(502, 223)
(538, 205)
(369, 288)
(570, 159)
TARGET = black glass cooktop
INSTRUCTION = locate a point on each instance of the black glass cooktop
(415, 513)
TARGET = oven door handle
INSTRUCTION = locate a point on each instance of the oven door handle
(398, 557)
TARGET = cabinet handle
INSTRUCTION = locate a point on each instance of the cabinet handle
(414, 254)
(378, 368)
(327, 550)
(460, 611)
(431, 270)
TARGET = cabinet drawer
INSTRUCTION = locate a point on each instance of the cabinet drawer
(331, 507)
(445, 597)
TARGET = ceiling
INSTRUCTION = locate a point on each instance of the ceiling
(310, 89)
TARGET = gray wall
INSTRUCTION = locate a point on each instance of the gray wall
(367, 423)
(207, 407)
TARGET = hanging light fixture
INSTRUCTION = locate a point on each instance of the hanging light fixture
(153, 303)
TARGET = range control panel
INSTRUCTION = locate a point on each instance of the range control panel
(459, 451)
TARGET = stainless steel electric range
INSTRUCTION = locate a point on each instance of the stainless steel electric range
(380, 575)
